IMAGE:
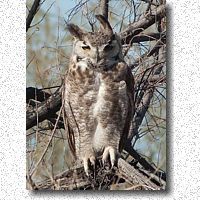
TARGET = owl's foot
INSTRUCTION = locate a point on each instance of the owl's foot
(109, 152)
(88, 160)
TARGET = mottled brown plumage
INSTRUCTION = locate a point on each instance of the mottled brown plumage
(98, 94)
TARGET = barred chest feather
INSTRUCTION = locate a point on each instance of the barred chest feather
(97, 96)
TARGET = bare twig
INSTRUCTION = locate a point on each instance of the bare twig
(32, 13)
(144, 163)
(75, 9)
(47, 146)
(43, 16)
(142, 24)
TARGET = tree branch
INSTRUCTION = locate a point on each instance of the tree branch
(148, 37)
(35, 94)
(75, 178)
(139, 26)
(44, 110)
(156, 48)
(144, 163)
(32, 13)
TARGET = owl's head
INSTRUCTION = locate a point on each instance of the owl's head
(102, 48)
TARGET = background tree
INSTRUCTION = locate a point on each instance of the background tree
(142, 27)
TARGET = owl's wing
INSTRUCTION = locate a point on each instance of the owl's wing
(69, 120)
(70, 136)
(130, 107)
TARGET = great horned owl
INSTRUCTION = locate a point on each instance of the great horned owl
(98, 95)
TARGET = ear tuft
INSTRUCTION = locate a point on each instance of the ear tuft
(105, 25)
(76, 31)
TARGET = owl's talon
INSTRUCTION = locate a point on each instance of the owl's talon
(92, 160)
(105, 155)
(88, 161)
(109, 152)
(112, 156)
(86, 166)
(103, 163)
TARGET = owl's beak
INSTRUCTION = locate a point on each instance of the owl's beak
(97, 56)
(97, 59)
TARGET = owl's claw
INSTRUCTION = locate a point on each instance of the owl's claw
(87, 160)
(86, 166)
(92, 160)
(109, 151)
